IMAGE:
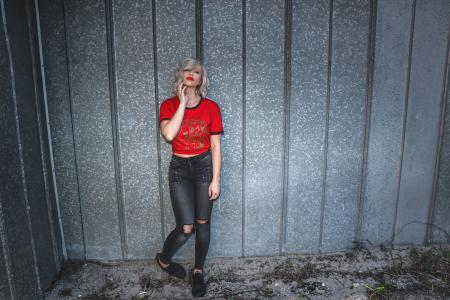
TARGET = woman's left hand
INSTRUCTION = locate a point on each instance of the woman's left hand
(214, 190)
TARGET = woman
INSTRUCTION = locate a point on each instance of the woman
(193, 124)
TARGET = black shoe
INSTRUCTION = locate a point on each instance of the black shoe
(172, 269)
(198, 284)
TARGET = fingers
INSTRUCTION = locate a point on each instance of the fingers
(182, 92)
(212, 195)
(181, 88)
(213, 192)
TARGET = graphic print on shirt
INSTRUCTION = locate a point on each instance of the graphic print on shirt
(193, 133)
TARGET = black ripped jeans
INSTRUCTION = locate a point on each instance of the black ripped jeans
(189, 180)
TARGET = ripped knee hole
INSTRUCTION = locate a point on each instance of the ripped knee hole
(187, 228)
(202, 221)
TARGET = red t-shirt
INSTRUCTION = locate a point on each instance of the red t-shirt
(198, 124)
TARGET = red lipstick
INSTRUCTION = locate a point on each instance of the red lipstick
(189, 78)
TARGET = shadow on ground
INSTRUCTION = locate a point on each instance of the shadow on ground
(362, 273)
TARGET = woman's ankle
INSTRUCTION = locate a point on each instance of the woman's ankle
(162, 264)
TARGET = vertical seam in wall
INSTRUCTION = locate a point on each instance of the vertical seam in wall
(428, 233)
(158, 138)
(19, 141)
(3, 235)
(32, 36)
(49, 136)
(244, 98)
(199, 29)
(327, 122)
(368, 108)
(404, 119)
(115, 125)
(69, 85)
(286, 128)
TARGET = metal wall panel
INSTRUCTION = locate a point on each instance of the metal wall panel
(26, 94)
(222, 37)
(308, 113)
(57, 245)
(21, 258)
(391, 68)
(175, 40)
(13, 217)
(28, 88)
(423, 115)
(264, 123)
(441, 232)
(8, 139)
(137, 128)
(5, 274)
(90, 96)
(61, 124)
(346, 122)
(20, 158)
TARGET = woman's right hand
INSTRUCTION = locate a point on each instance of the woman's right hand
(170, 128)
(182, 93)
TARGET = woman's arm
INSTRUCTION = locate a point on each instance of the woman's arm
(170, 128)
(214, 187)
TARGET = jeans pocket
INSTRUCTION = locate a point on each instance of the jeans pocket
(175, 163)
(204, 169)
(175, 174)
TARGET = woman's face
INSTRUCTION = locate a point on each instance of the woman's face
(192, 78)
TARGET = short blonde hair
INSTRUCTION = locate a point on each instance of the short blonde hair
(187, 65)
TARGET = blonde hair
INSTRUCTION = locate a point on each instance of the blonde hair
(187, 65)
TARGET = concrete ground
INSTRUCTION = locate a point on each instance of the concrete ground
(361, 273)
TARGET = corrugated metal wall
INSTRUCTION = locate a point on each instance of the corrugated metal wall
(333, 113)
(31, 246)
(441, 188)
(337, 127)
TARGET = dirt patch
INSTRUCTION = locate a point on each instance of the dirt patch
(425, 273)
(362, 273)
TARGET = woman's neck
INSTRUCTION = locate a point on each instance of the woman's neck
(192, 96)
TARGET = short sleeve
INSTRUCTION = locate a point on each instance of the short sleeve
(166, 111)
(216, 126)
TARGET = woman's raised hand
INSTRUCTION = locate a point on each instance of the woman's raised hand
(182, 93)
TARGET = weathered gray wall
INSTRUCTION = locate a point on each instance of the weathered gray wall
(31, 247)
(441, 211)
(333, 113)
